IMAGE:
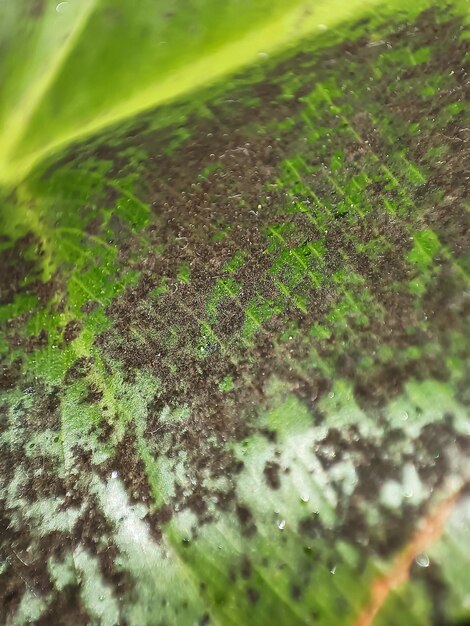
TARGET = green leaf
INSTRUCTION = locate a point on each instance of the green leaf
(234, 358)
(70, 68)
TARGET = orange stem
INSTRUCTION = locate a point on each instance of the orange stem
(430, 531)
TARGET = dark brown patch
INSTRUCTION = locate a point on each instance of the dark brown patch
(72, 330)
(296, 592)
(93, 395)
(79, 369)
(17, 269)
(252, 595)
(271, 474)
(67, 608)
(245, 567)
(95, 532)
(89, 307)
(130, 469)
(26, 569)
(9, 374)
(36, 8)
(245, 518)
(310, 526)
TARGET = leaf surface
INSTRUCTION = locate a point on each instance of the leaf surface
(234, 351)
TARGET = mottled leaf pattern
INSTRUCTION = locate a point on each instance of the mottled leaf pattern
(234, 352)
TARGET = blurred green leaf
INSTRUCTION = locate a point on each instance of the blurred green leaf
(72, 67)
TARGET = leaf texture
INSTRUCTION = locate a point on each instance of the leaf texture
(234, 351)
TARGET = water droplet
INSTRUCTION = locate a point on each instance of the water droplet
(114, 474)
(422, 560)
(331, 394)
(62, 7)
(282, 524)
(101, 598)
(305, 498)
(263, 55)
(405, 416)
(408, 494)
(322, 27)
(333, 570)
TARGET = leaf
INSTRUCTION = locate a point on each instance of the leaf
(234, 349)
(68, 69)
